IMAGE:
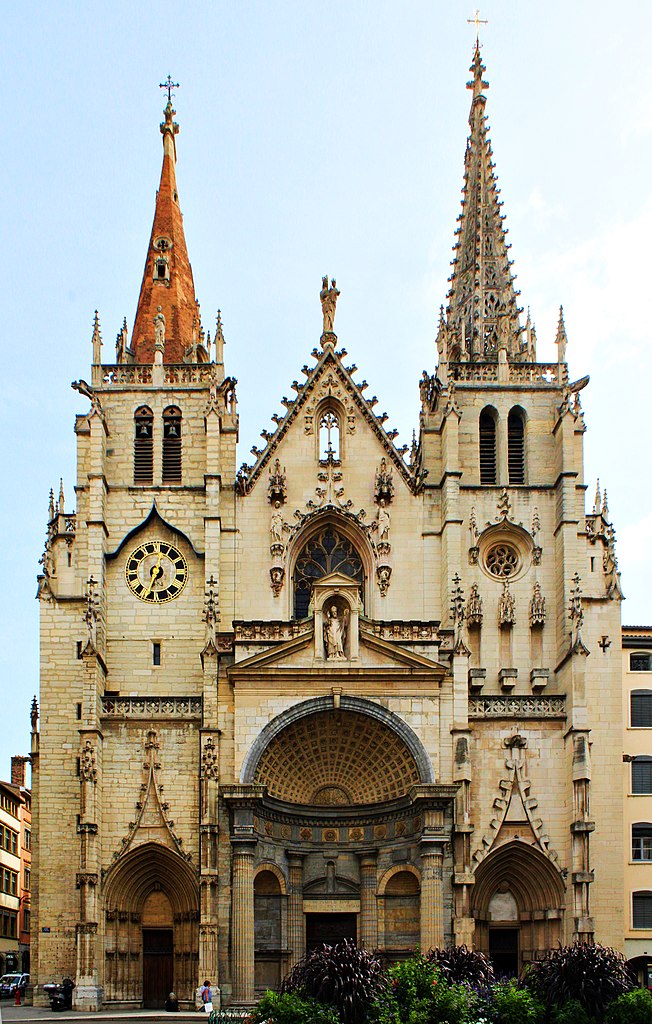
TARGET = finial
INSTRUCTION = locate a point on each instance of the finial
(62, 500)
(561, 341)
(34, 713)
(169, 85)
(219, 339)
(477, 69)
(597, 504)
(605, 507)
(97, 340)
(477, 21)
(51, 506)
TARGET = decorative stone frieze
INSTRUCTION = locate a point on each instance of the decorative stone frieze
(151, 707)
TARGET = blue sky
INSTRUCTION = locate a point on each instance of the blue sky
(315, 138)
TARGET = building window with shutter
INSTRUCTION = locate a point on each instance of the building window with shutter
(487, 446)
(641, 709)
(642, 775)
(516, 446)
(172, 445)
(143, 446)
(642, 909)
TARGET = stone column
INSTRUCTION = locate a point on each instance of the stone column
(368, 933)
(296, 939)
(432, 905)
(242, 922)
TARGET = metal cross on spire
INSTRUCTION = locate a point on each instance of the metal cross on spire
(170, 85)
(477, 21)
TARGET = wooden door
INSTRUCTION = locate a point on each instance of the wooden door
(158, 967)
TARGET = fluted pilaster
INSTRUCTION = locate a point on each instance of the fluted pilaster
(296, 927)
(242, 919)
(432, 904)
(368, 908)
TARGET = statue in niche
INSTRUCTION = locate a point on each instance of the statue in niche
(159, 329)
(328, 298)
(384, 521)
(276, 488)
(335, 628)
(276, 525)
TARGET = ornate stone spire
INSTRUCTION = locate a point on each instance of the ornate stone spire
(482, 314)
(167, 280)
(97, 340)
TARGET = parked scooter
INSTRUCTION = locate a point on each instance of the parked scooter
(60, 995)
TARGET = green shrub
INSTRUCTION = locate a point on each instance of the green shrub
(571, 1012)
(290, 1008)
(631, 1008)
(341, 976)
(452, 1004)
(409, 995)
(593, 975)
(514, 1004)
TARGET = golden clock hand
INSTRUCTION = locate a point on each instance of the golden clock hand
(154, 574)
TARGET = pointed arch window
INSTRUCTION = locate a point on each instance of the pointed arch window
(487, 447)
(516, 446)
(327, 551)
(143, 446)
(172, 445)
(329, 436)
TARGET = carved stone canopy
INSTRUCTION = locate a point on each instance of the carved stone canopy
(336, 597)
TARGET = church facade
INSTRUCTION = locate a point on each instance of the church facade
(349, 690)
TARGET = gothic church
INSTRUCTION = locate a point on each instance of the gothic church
(350, 690)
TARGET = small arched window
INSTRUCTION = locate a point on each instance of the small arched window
(640, 663)
(642, 909)
(172, 445)
(143, 446)
(641, 709)
(516, 446)
(329, 436)
(642, 840)
(642, 774)
(487, 447)
(327, 551)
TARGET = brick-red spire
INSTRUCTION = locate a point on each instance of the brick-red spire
(167, 280)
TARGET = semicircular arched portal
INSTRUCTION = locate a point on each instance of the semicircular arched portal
(359, 754)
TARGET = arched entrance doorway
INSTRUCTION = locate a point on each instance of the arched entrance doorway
(518, 905)
(334, 796)
(151, 930)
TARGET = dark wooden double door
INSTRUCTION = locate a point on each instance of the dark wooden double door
(158, 967)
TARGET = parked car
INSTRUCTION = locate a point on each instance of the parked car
(9, 983)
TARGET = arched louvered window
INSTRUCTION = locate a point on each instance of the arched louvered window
(516, 446)
(172, 445)
(642, 774)
(327, 551)
(487, 447)
(143, 446)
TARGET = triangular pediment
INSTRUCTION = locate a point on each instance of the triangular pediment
(375, 655)
(328, 378)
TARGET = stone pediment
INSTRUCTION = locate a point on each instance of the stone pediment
(328, 378)
(296, 656)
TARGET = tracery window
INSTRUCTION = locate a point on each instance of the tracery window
(327, 551)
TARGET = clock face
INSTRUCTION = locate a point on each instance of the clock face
(156, 572)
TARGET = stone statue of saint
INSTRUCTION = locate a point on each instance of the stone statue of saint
(335, 634)
(328, 298)
(159, 329)
(384, 521)
(276, 524)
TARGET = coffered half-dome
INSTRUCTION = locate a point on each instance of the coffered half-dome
(337, 757)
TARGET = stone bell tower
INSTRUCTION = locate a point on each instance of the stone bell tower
(529, 587)
(131, 602)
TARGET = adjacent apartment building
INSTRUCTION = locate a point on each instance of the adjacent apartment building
(15, 869)
(637, 758)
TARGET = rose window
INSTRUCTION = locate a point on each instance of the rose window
(502, 561)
